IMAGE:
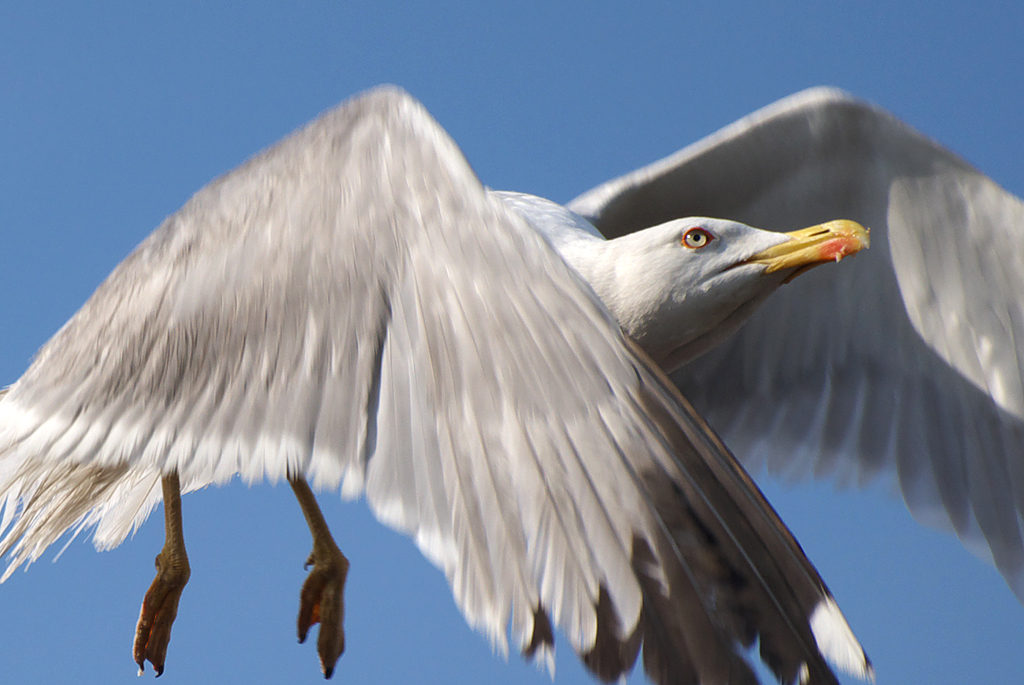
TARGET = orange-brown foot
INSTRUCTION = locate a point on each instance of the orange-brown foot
(323, 601)
(159, 608)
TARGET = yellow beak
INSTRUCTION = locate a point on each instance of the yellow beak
(809, 247)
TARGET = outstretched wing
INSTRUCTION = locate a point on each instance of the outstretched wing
(907, 359)
(351, 306)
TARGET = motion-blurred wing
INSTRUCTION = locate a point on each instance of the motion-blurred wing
(351, 306)
(908, 358)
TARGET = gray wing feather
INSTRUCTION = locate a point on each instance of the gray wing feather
(351, 306)
(908, 358)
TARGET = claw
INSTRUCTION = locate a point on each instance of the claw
(323, 594)
(159, 609)
(160, 605)
(322, 601)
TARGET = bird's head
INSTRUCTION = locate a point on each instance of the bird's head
(680, 288)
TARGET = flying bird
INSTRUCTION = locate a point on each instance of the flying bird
(352, 309)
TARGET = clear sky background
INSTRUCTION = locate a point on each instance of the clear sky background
(112, 116)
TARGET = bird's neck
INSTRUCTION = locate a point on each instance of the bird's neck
(618, 270)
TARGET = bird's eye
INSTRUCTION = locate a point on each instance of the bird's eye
(697, 238)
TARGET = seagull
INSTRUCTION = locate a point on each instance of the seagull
(352, 309)
(908, 362)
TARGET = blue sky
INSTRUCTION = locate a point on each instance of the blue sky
(110, 118)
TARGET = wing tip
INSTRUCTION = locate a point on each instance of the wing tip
(836, 641)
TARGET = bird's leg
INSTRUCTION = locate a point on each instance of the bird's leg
(160, 605)
(323, 594)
